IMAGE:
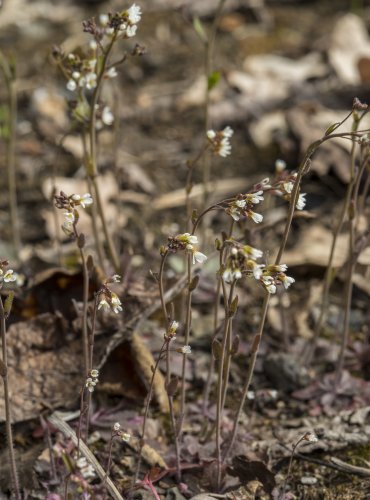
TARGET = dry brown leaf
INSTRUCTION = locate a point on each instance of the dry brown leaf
(313, 247)
(152, 457)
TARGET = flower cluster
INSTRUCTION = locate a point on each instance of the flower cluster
(92, 380)
(241, 261)
(187, 242)
(87, 470)
(171, 331)
(185, 349)
(311, 437)
(122, 24)
(125, 436)
(109, 300)
(6, 275)
(220, 141)
(243, 204)
(284, 184)
(274, 275)
(69, 204)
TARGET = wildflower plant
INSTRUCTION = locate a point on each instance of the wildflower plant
(85, 72)
(7, 276)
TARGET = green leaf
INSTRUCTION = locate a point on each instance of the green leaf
(213, 79)
(199, 29)
(331, 128)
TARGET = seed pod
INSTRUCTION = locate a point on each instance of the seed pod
(172, 386)
(216, 349)
(8, 304)
(90, 264)
(194, 283)
(233, 307)
(235, 345)
(81, 241)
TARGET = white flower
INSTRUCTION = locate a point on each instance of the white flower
(186, 349)
(287, 281)
(225, 147)
(69, 218)
(103, 304)
(9, 276)
(257, 271)
(240, 203)
(90, 81)
(301, 203)
(134, 14)
(94, 373)
(280, 166)
(90, 384)
(88, 472)
(82, 81)
(92, 64)
(131, 31)
(278, 268)
(257, 218)
(173, 327)
(288, 186)
(254, 253)
(86, 199)
(103, 19)
(310, 436)
(190, 238)
(228, 132)
(199, 257)
(116, 278)
(116, 303)
(211, 134)
(109, 31)
(71, 85)
(256, 197)
(269, 284)
(230, 275)
(116, 426)
(271, 288)
(76, 75)
(250, 395)
(81, 462)
(125, 436)
(234, 212)
(107, 116)
(111, 73)
(93, 45)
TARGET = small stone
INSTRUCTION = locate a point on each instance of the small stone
(308, 480)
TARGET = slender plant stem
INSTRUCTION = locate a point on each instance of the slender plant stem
(172, 414)
(208, 68)
(85, 299)
(186, 340)
(328, 278)
(8, 418)
(146, 412)
(94, 218)
(257, 339)
(92, 170)
(11, 167)
(248, 379)
(282, 496)
(221, 367)
(352, 260)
